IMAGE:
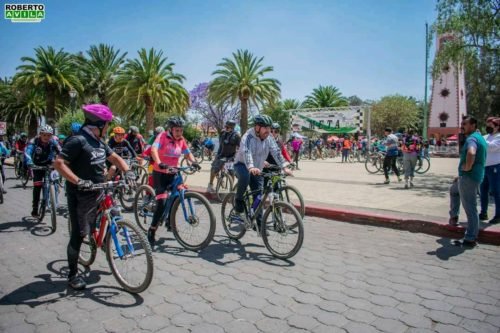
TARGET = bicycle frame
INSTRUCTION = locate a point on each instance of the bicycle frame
(108, 215)
(178, 190)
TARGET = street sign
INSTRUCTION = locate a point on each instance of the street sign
(3, 127)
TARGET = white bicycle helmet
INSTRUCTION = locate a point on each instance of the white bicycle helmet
(46, 129)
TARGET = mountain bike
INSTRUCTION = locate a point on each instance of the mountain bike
(127, 250)
(188, 214)
(225, 179)
(49, 194)
(280, 223)
(19, 168)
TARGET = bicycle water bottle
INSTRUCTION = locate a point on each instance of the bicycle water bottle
(256, 202)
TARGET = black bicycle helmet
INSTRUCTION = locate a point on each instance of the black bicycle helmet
(175, 121)
(263, 120)
(230, 123)
(275, 126)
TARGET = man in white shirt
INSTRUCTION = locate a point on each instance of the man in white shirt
(491, 182)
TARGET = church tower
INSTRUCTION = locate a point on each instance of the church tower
(448, 100)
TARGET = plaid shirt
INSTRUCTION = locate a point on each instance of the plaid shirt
(253, 151)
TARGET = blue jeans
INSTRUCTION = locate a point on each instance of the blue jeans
(468, 189)
(245, 179)
(491, 183)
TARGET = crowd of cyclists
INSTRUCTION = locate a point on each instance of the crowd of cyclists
(87, 157)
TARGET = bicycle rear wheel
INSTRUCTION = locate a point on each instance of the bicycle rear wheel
(129, 256)
(224, 186)
(193, 221)
(234, 229)
(144, 206)
(279, 237)
(53, 216)
(88, 250)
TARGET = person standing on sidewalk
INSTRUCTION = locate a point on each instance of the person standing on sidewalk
(392, 151)
(470, 176)
(491, 182)
(346, 148)
(411, 148)
(296, 145)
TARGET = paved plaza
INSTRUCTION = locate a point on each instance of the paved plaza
(346, 278)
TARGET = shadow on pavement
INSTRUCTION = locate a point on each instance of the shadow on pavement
(51, 288)
(447, 249)
(429, 185)
(27, 224)
(217, 250)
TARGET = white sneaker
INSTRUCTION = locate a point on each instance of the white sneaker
(210, 188)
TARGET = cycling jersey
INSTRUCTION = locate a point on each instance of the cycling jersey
(136, 141)
(123, 149)
(40, 153)
(86, 156)
(169, 150)
(229, 142)
(20, 145)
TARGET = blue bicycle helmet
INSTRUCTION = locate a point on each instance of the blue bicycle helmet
(75, 127)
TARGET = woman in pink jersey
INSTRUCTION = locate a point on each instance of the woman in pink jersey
(167, 148)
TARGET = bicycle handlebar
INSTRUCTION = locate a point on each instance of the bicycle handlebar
(107, 185)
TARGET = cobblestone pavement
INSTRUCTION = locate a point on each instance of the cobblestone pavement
(346, 278)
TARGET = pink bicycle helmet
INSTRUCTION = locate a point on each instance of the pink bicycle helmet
(97, 112)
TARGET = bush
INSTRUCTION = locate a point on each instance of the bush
(64, 123)
(191, 132)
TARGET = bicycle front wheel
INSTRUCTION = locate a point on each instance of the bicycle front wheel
(129, 256)
(292, 195)
(144, 206)
(423, 165)
(281, 239)
(53, 216)
(224, 186)
(372, 164)
(42, 207)
(127, 195)
(186, 163)
(192, 221)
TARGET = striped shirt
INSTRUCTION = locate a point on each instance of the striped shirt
(253, 151)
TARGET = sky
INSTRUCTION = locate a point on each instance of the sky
(368, 48)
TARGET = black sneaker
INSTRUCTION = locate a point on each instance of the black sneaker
(151, 237)
(483, 217)
(34, 213)
(494, 220)
(465, 243)
(77, 283)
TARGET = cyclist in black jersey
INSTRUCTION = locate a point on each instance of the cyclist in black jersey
(121, 147)
(82, 163)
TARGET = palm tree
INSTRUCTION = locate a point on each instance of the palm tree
(50, 70)
(290, 104)
(22, 108)
(100, 69)
(147, 85)
(325, 97)
(242, 78)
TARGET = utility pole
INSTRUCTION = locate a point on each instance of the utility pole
(426, 111)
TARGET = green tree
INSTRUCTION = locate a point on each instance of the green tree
(64, 123)
(394, 111)
(53, 71)
(242, 79)
(22, 109)
(100, 69)
(325, 97)
(290, 104)
(354, 100)
(278, 112)
(148, 85)
(477, 24)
